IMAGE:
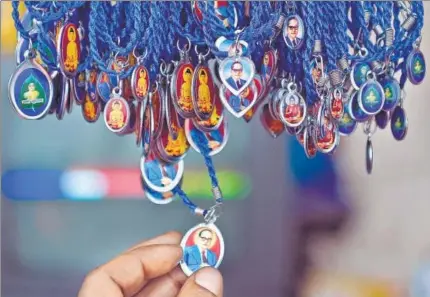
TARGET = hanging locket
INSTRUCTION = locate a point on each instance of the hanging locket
(140, 82)
(78, 84)
(392, 93)
(269, 66)
(180, 86)
(91, 110)
(69, 49)
(292, 109)
(416, 65)
(270, 123)
(355, 110)
(326, 134)
(399, 123)
(203, 88)
(117, 113)
(371, 95)
(336, 104)
(294, 28)
(346, 123)
(148, 125)
(64, 97)
(31, 89)
(358, 74)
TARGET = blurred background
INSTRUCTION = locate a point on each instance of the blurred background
(71, 200)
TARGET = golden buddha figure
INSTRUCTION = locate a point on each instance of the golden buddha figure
(418, 68)
(371, 98)
(398, 123)
(116, 116)
(71, 63)
(32, 94)
(89, 108)
(141, 83)
(204, 97)
(178, 147)
(388, 93)
(185, 101)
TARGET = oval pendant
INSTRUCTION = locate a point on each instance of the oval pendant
(172, 118)
(91, 84)
(140, 82)
(181, 91)
(346, 123)
(271, 124)
(416, 67)
(158, 113)
(356, 112)
(69, 50)
(292, 109)
(381, 119)
(327, 134)
(294, 32)
(269, 66)
(214, 140)
(359, 74)
(204, 91)
(79, 88)
(309, 144)
(369, 156)
(31, 90)
(336, 105)
(392, 93)
(159, 176)
(203, 246)
(91, 110)
(399, 123)
(117, 114)
(371, 97)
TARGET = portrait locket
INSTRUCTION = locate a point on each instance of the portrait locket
(117, 113)
(69, 49)
(140, 82)
(292, 108)
(236, 73)
(203, 246)
(239, 105)
(31, 89)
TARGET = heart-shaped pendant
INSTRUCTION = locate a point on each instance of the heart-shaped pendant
(236, 74)
(239, 105)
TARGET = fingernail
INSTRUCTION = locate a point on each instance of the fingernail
(210, 279)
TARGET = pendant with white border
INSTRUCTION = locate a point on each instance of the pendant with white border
(31, 90)
(292, 107)
(203, 246)
(371, 96)
(239, 105)
(326, 133)
(117, 113)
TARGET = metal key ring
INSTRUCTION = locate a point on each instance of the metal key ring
(186, 47)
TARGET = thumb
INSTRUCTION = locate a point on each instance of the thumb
(206, 282)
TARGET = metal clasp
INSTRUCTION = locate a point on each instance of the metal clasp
(213, 213)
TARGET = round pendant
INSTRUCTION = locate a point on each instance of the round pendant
(203, 246)
(416, 67)
(294, 32)
(292, 109)
(236, 74)
(159, 176)
(90, 110)
(204, 91)
(346, 123)
(140, 82)
(31, 90)
(79, 87)
(382, 119)
(399, 123)
(359, 74)
(117, 114)
(392, 93)
(180, 89)
(215, 140)
(371, 97)
(356, 112)
(69, 50)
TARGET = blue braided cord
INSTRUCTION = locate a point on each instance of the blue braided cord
(312, 33)
(191, 29)
(54, 12)
(18, 25)
(103, 35)
(340, 35)
(145, 11)
(204, 150)
(384, 9)
(325, 16)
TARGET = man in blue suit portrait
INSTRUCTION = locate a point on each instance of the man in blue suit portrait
(235, 80)
(293, 30)
(159, 175)
(199, 255)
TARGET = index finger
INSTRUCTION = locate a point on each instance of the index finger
(127, 274)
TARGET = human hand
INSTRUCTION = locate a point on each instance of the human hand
(150, 269)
